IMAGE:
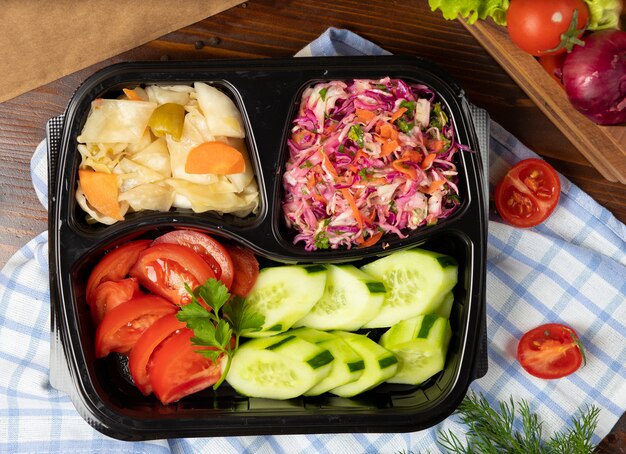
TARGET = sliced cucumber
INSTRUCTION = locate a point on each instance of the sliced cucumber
(380, 364)
(445, 307)
(420, 344)
(285, 294)
(351, 298)
(347, 367)
(278, 367)
(416, 281)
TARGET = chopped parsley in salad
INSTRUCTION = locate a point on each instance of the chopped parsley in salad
(367, 158)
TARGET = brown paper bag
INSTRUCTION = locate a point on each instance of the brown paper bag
(41, 41)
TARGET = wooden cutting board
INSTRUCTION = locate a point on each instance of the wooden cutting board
(603, 146)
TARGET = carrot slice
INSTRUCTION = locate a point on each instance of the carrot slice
(372, 240)
(388, 132)
(397, 114)
(388, 147)
(399, 165)
(131, 94)
(101, 191)
(355, 210)
(428, 161)
(364, 115)
(215, 157)
(434, 186)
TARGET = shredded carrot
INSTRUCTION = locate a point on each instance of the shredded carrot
(399, 165)
(328, 165)
(428, 161)
(215, 157)
(355, 210)
(101, 191)
(372, 240)
(131, 94)
(436, 145)
(365, 116)
(388, 132)
(397, 114)
(388, 147)
(434, 186)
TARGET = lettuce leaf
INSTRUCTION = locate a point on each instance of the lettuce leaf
(472, 10)
(603, 14)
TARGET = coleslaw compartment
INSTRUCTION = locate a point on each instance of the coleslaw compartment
(266, 92)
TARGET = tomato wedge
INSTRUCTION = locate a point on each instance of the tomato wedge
(550, 351)
(110, 294)
(122, 326)
(528, 193)
(165, 268)
(208, 248)
(114, 266)
(178, 370)
(139, 362)
(246, 269)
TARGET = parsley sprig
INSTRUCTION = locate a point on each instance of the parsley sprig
(228, 318)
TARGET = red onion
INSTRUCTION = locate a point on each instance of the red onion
(594, 76)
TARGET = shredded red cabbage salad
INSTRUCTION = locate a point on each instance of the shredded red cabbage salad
(367, 158)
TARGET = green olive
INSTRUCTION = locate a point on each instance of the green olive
(167, 119)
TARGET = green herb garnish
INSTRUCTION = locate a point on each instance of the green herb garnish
(410, 107)
(323, 92)
(356, 134)
(490, 431)
(404, 126)
(438, 117)
(321, 240)
(210, 329)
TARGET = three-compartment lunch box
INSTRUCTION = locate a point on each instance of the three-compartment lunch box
(267, 93)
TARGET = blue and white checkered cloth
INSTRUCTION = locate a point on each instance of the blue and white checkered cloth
(571, 269)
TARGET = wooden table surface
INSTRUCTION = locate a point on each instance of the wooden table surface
(274, 28)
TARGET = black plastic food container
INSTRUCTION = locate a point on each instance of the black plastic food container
(267, 93)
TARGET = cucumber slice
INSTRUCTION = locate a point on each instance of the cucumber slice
(416, 281)
(278, 367)
(420, 344)
(380, 364)
(445, 308)
(347, 367)
(350, 299)
(285, 294)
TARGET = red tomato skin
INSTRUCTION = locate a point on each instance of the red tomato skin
(122, 326)
(542, 200)
(114, 266)
(177, 370)
(246, 269)
(536, 26)
(165, 268)
(553, 64)
(561, 354)
(110, 294)
(207, 247)
(139, 362)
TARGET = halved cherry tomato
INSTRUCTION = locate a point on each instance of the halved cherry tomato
(122, 326)
(178, 370)
(528, 193)
(541, 27)
(110, 294)
(246, 269)
(114, 265)
(165, 268)
(550, 351)
(139, 362)
(209, 249)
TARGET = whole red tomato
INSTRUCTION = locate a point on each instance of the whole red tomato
(545, 27)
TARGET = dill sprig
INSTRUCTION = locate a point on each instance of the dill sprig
(492, 432)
